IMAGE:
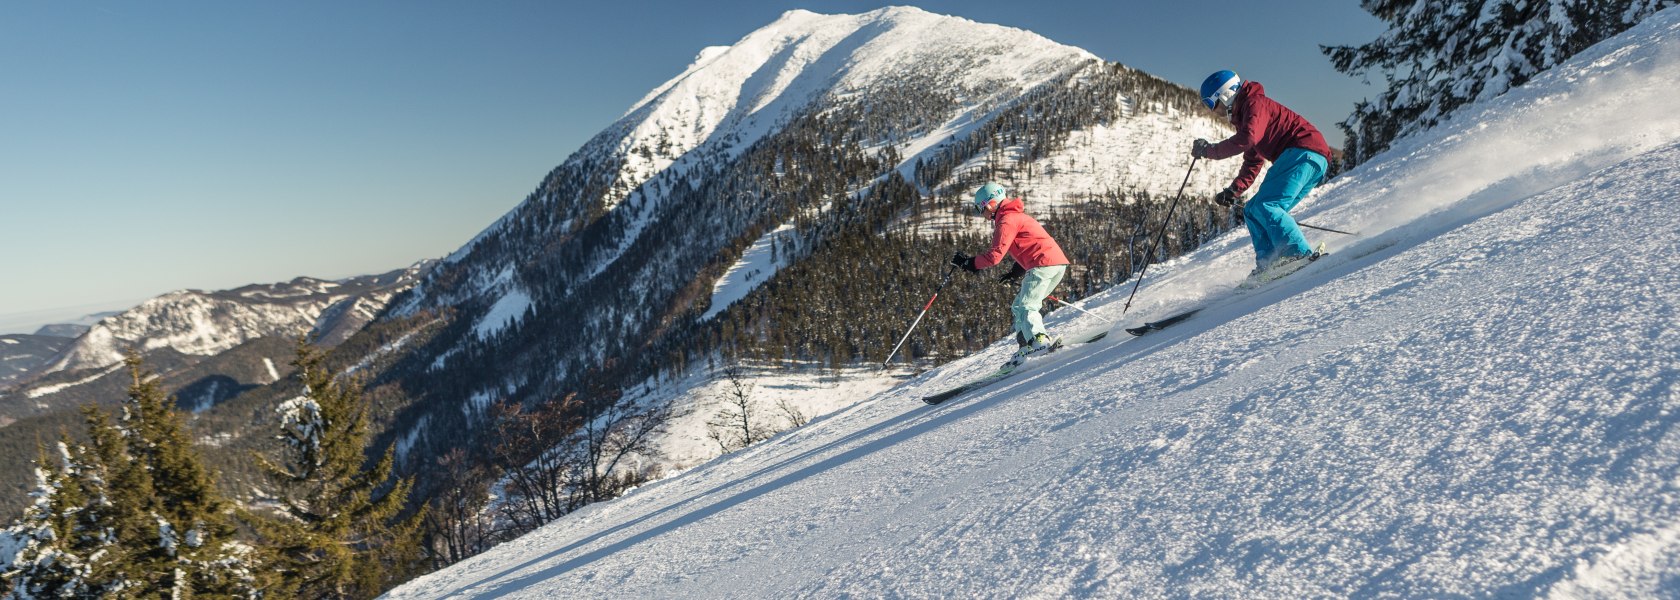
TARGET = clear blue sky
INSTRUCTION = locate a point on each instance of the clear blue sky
(152, 146)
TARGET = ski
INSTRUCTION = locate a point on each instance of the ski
(994, 377)
(1162, 324)
(1007, 370)
(1251, 284)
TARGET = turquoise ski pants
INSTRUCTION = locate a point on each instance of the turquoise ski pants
(1272, 230)
(1035, 285)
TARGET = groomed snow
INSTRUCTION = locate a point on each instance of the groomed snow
(1478, 396)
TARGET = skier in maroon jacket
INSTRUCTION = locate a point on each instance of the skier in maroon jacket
(1266, 131)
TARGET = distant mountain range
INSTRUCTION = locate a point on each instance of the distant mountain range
(189, 326)
(207, 348)
(74, 329)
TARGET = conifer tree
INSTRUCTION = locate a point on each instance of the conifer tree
(1439, 55)
(54, 550)
(341, 534)
(175, 530)
(133, 515)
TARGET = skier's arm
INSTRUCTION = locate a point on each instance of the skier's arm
(1002, 237)
(1250, 170)
(1248, 134)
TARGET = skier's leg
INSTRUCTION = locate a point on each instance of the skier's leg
(1257, 235)
(1289, 180)
(1035, 286)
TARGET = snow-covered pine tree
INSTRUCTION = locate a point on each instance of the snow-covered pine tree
(59, 547)
(175, 530)
(1439, 55)
(341, 534)
(133, 514)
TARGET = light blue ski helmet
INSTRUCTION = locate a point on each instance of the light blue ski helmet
(1220, 87)
(987, 194)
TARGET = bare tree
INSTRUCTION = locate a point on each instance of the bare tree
(737, 423)
(457, 522)
(619, 432)
(796, 418)
(536, 463)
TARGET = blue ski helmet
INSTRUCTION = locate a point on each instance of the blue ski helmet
(1220, 87)
(987, 194)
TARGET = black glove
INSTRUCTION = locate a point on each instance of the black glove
(1014, 274)
(1200, 148)
(1227, 198)
(965, 261)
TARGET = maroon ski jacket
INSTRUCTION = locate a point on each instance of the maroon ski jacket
(1264, 130)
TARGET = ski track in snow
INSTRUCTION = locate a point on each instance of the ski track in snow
(1477, 397)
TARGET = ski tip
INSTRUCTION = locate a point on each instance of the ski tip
(1163, 323)
(941, 397)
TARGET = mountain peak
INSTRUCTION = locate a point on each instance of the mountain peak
(804, 57)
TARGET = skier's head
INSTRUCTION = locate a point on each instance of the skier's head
(1219, 88)
(987, 197)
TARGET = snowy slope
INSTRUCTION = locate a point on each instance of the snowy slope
(1477, 396)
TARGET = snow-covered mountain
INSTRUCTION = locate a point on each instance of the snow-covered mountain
(24, 355)
(181, 329)
(620, 259)
(205, 323)
(1475, 396)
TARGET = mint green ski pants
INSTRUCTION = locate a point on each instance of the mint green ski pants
(1035, 285)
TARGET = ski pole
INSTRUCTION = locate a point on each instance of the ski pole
(1150, 256)
(918, 320)
(1072, 306)
(1240, 207)
(1326, 229)
(1053, 298)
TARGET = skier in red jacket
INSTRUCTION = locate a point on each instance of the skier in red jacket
(1266, 131)
(1039, 264)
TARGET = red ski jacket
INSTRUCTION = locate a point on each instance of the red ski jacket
(1264, 130)
(1022, 237)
